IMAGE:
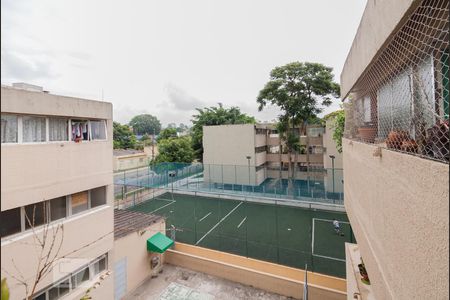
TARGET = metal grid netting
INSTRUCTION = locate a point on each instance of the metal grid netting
(402, 100)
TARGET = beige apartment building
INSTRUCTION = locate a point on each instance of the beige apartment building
(248, 154)
(56, 195)
(395, 83)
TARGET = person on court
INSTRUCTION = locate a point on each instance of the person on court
(337, 227)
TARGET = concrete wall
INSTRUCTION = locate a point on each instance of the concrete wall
(380, 19)
(134, 248)
(94, 227)
(260, 274)
(229, 144)
(38, 103)
(398, 207)
(126, 162)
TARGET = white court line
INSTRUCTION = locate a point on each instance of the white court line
(163, 206)
(329, 257)
(314, 234)
(204, 217)
(243, 220)
(218, 223)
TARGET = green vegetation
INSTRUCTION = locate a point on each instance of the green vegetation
(298, 89)
(5, 290)
(217, 115)
(169, 132)
(123, 137)
(145, 124)
(175, 149)
(338, 118)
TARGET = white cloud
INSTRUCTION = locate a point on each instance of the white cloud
(208, 51)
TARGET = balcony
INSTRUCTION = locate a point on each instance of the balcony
(313, 158)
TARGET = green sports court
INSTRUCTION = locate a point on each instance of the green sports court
(283, 234)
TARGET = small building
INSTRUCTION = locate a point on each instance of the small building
(125, 159)
(139, 239)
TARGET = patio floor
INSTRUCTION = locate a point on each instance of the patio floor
(177, 283)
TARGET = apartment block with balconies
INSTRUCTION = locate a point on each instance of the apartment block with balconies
(395, 83)
(56, 191)
(248, 154)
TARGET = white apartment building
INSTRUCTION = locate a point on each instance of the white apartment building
(56, 189)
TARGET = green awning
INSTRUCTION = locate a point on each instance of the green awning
(159, 243)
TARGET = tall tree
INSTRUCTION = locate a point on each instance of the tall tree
(145, 124)
(300, 90)
(123, 137)
(175, 149)
(167, 133)
(214, 115)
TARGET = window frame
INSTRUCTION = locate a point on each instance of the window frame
(68, 129)
(21, 129)
(17, 129)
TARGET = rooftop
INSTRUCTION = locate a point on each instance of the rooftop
(122, 152)
(180, 283)
(126, 222)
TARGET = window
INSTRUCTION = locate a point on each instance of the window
(315, 131)
(10, 222)
(80, 277)
(58, 129)
(9, 128)
(98, 130)
(59, 290)
(99, 266)
(79, 202)
(260, 149)
(80, 130)
(98, 196)
(58, 209)
(260, 131)
(35, 214)
(33, 129)
(74, 280)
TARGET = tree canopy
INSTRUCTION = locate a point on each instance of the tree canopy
(145, 124)
(167, 133)
(123, 137)
(175, 149)
(300, 90)
(214, 115)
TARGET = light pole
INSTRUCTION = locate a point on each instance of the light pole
(248, 159)
(332, 168)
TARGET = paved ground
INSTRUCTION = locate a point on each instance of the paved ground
(177, 283)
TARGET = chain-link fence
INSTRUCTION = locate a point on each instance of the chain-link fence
(402, 100)
(310, 184)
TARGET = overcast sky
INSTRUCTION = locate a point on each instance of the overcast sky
(167, 57)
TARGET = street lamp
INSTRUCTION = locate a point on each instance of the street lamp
(248, 159)
(332, 167)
